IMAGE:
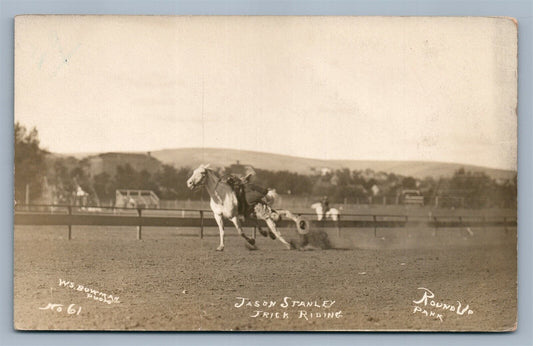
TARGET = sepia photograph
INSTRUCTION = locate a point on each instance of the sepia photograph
(265, 173)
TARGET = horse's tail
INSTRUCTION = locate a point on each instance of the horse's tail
(271, 197)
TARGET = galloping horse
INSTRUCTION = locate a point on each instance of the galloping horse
(332, 213)
(224, 204)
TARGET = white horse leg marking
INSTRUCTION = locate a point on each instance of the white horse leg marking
(237, 224)
(220, 223)
(273, 229)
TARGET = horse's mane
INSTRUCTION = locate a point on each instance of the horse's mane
(221, 179)
(214, 175)
(212, 171)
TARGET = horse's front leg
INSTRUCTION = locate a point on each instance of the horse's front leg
(220, 223)
(237, 224)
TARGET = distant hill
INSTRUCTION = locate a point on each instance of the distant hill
(193, 157)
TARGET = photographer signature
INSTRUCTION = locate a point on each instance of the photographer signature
(70, 310)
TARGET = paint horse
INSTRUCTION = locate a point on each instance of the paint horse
(332, 213)
(225, 205)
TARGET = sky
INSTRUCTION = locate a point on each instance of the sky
(361, 88)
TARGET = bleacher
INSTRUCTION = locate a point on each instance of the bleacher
(125, 198)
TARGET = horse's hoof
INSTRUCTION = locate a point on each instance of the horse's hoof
(250, 246)
(251, 241)
(220, 248)
(272, 235)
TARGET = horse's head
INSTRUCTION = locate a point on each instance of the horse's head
(198, 177)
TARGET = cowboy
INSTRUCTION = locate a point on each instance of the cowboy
(325, 206)
(252, 193)
(248, 194)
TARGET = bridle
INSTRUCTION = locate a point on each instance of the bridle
(201, 182)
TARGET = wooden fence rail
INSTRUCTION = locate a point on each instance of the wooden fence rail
(24, 216)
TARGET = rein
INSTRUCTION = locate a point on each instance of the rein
(207, 171)
(218, 180)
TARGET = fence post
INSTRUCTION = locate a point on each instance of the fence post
(375, 225)
(436, 224)
(201, 224)
(139, 227)
(338, 226)
(69, 222)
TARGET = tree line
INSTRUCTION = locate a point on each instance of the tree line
(33, 166)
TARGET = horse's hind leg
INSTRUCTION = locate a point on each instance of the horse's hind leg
(272, 226)
(237, 224)
(220, 224)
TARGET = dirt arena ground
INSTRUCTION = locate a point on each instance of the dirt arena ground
(173, 280)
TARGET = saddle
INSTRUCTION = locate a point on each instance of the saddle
(248, 195)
